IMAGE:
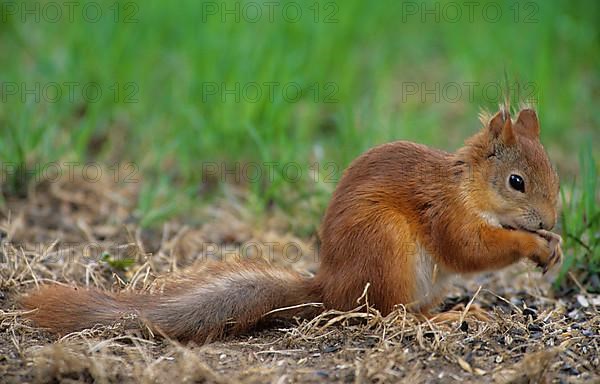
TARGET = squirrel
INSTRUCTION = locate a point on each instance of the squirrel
(404, 220)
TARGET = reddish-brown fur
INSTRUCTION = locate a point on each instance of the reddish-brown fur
(404, 218)
(202, 305)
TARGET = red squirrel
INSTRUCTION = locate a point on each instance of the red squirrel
(404, 219)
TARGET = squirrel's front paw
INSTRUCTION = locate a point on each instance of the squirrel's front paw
(548, 252)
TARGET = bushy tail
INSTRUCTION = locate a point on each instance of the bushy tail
(221, 298)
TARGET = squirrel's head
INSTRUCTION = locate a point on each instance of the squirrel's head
(515, 184)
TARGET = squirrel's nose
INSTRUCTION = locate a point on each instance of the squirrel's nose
(548, 222)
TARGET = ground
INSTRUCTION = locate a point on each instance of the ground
(87, 233)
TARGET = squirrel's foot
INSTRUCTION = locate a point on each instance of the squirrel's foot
(554, 243)
(458, 313)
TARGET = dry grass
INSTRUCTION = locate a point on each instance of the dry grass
(533, 337)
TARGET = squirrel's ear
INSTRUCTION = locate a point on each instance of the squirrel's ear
(527, 124)
(500, 127)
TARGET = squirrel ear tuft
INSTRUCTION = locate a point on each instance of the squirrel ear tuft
(500, 127)
(527, 124)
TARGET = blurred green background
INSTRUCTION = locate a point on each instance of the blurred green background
(174, 86)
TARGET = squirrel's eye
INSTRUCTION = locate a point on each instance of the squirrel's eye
(517, 183)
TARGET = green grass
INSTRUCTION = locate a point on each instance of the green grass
(580, 221)
(155, 109)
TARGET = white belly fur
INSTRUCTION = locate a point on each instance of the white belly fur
(431, 280)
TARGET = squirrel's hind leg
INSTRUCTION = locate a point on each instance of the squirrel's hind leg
(458, 312)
